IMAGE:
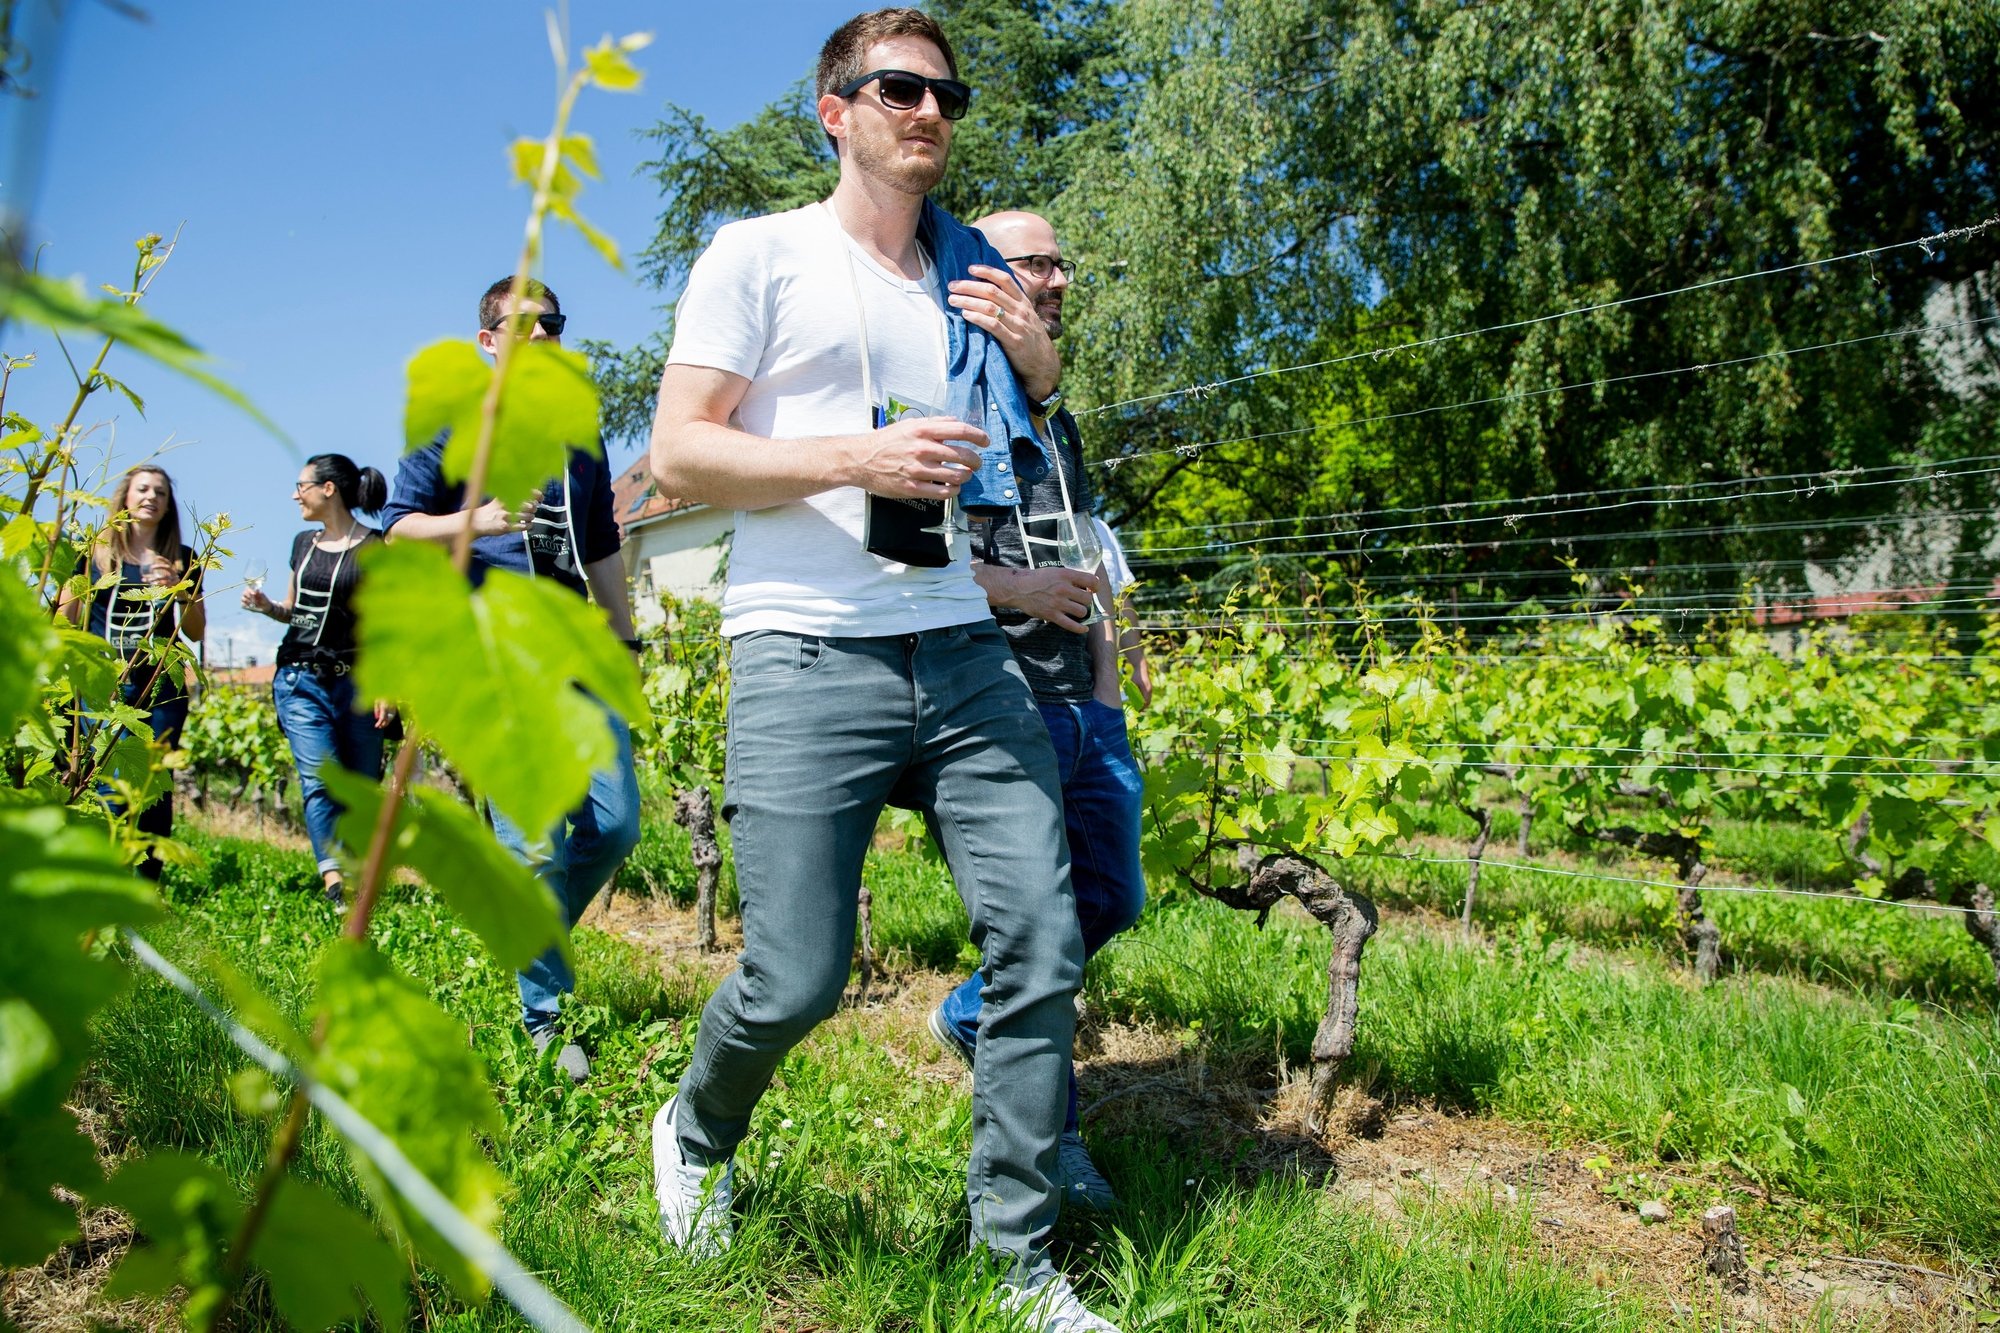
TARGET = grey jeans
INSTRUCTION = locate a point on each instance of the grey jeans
(822, 734)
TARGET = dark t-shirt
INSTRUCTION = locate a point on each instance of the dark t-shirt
(1055, 660)
(323, 584)
(575, 512)
(129, 620)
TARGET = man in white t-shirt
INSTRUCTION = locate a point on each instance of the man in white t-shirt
(855, 679)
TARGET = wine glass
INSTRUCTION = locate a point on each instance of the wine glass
(254, 573)
(967, 403)
(1078, 548)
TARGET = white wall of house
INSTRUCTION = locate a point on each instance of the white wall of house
(676, 553)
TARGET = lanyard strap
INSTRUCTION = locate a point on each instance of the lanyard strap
(861, 313)
(339, 559)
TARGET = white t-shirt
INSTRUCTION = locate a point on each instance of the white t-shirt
(772, 300)
(1117, 571)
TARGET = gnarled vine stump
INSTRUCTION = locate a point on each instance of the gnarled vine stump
(694, 810)
(1349, 918)
(1702, 936)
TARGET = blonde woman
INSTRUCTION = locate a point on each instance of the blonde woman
(138, 555)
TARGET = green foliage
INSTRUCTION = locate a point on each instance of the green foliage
(449, 845)
(327, 1265)
(59, 883)
(232, 734)
(403, 1064)
(508, 715)
(67, 308)
(547, 406)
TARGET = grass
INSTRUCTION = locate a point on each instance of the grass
(1880, 1116)
(1891, 951)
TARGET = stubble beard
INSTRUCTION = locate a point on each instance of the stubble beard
(915, 176)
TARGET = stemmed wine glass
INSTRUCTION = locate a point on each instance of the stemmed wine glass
(1078, 548)
(967, 403)
(254, 572)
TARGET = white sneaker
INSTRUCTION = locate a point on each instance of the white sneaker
(694, 1200)
(1051, 1307)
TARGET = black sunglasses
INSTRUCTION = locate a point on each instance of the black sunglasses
(904, 91)
(1040, 266)
(519, 325)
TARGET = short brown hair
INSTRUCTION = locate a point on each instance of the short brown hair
(493, 301)
(840, 58)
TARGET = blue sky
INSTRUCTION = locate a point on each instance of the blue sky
(342, 181)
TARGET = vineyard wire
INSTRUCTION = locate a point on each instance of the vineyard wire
(1571, 768)
(1522, 395)
(1929, 606)
(536, 1303)
(1157, 593)
(1503, 747)
(1707, 886)
(1511, 520)
(1831, 476)
(1924, 242)
(1618, 601)
(1630, 534)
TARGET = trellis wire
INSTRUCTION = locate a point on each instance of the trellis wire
(1193, 450)
(536, 1303)
(1530, 867)
(1514, 519)
(1199, 390)
(1632, 534)
(1833, 477)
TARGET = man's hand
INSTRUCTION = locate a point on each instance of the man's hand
(1059, 596)
(917, 458)
(493, 519)
(997, 304)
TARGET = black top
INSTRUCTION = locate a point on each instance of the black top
(323, 584)
(1055, 660)
(130, 618)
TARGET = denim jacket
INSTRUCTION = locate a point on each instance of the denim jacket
(974, 357)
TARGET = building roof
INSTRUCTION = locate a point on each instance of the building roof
(1795, 609)
(243, 675)
(636, 498)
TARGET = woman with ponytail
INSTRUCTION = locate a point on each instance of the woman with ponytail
(314, 685)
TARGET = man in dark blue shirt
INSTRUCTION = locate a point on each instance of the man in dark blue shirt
(566, 533)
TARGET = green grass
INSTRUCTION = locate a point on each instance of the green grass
(1857, 946)
(847, 1223)
(1885, 1115)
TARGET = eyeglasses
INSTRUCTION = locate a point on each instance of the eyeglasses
(299, 487)
(522, 324)
(904, 91)
(1040, 266)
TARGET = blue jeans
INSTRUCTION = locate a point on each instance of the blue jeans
(575, 859)
(823, 733)
(320, 723)
(1101, 790)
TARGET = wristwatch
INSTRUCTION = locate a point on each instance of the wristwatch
(1047, 407)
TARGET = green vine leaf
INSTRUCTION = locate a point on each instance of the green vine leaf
(548, 405)
(449, 845)
(506, 711)
(404, 1064)
(67, 307)
(58, 882)
(26, 642)
(326, 1264)
(186, 1210)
